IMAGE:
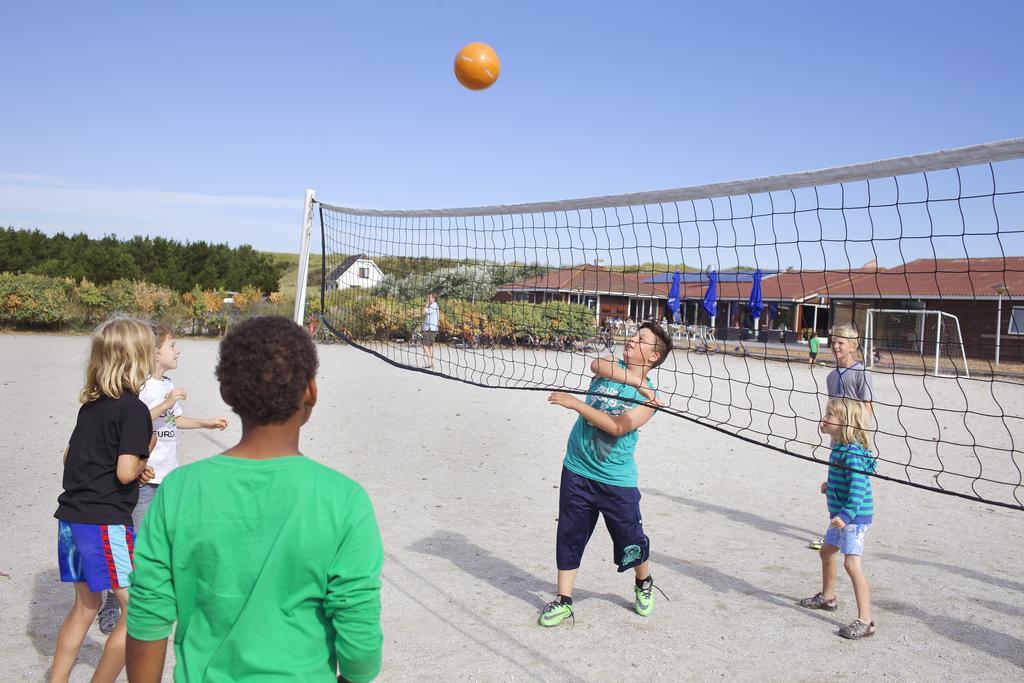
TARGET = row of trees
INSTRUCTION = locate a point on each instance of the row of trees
(473, 282)
(161, 261)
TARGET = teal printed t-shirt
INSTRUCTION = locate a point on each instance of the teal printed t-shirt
(596, 454)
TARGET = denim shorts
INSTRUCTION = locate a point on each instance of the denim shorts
(849, 539)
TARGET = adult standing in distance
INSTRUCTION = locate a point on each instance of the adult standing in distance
(431, 318)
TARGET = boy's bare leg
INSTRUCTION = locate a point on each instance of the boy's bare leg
(72, 631)
(860, 587)
(643, 570)
(112, 660)
(566, 580)
(828, 570)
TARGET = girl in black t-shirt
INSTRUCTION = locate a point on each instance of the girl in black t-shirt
(103, 465)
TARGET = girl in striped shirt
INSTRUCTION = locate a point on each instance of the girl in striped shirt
(850, 510)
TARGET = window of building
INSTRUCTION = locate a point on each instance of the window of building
(1016, 325)
(364, 273)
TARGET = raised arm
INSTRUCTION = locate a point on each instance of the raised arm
(610, 368)
(184, 422)
(616, 425)
(163, 406)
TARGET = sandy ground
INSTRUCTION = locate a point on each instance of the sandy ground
(464, 480)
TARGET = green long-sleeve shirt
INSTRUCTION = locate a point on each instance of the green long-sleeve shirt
(271, 569)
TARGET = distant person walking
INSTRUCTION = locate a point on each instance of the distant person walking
(812, 347)
(431, 319)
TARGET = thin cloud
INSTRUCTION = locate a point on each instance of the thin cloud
(53, 204)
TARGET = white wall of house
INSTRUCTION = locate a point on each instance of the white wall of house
(363, 273)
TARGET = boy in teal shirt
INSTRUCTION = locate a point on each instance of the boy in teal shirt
(268, 562)
(599, 471)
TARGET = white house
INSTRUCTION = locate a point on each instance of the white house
(355, 271)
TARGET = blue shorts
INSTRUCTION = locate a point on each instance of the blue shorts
(580, 500)
(100, 555)
(849, 539)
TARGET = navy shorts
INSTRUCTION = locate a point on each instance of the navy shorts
(579, 502)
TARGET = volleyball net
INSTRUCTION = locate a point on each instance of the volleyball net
(922, 255)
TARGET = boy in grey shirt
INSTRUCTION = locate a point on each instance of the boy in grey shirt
(850, 379)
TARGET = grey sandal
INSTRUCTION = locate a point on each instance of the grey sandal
(857, 629)
(819, 602)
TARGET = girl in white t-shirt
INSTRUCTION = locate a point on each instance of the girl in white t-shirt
(162, 399)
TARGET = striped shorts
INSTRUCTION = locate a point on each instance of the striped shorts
(98, 554)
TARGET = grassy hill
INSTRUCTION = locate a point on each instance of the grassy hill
(290, 262)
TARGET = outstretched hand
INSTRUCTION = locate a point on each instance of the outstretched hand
(220, 423)
(652, 398)
(560, 398)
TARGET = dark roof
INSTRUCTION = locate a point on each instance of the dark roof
(701, 276)
(345, 265)
(921, 279)
(976, 278)
(591, 278)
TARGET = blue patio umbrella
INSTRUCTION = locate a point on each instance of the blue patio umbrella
(755, 299)
(711, 296)
(673, 298)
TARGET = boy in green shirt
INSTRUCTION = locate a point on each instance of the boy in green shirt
(268, 562)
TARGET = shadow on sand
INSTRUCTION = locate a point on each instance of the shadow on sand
(966, 572)
(500, 573)
(772, 526)
(50, 603)
(720, 582)
(981, 638)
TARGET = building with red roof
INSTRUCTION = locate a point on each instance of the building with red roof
(983, 294)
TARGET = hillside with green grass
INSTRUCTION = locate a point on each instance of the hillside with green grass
(399, 267)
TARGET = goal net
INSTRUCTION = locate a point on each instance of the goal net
(919, 339)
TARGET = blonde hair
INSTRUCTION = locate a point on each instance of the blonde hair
(849, 332)
(122, 358)
(853, 418)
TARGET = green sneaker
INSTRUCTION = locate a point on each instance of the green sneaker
(555, 613)
(643, 603)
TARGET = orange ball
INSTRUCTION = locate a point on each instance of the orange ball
(477, 66)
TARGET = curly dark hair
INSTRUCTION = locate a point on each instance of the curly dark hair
(265, 364)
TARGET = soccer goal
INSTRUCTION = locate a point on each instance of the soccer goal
(932, 338)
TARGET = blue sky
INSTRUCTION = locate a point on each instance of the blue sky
(209, 120)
